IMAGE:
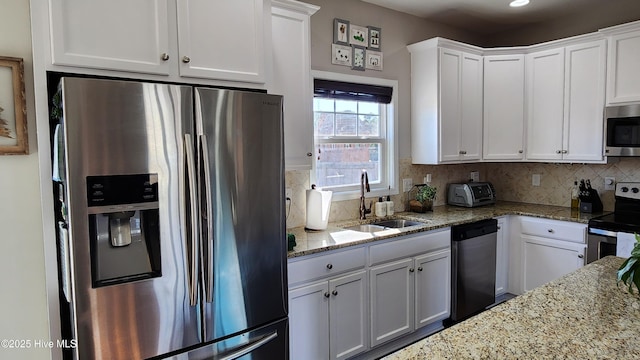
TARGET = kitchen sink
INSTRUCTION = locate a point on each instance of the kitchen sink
(397, 224)
(384, 225)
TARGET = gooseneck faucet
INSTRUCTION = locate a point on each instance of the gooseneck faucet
(364, 184)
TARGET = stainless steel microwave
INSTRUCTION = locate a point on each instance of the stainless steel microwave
(622, 130)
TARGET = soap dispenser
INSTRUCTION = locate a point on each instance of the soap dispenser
(381, 208)
(389, 204)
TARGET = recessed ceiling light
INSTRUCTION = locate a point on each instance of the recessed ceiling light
(518, 3)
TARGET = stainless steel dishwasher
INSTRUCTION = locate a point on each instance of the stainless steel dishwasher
(473, 268)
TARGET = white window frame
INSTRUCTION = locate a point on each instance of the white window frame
(389, 166)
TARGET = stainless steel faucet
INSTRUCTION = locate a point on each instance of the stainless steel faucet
(364, 184)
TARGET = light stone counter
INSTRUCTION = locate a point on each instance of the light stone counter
(335, 237)
(583, 315)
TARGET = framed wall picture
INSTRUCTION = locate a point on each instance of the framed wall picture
(13, 110)
(375, 36)
(341, 55)
(358, 58)
(374, 60)
(340, 31)
(358, 35)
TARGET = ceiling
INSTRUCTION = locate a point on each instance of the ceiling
(486, 16)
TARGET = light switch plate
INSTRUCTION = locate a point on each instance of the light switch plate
(474, 176)
(407, 184)
(535, 179)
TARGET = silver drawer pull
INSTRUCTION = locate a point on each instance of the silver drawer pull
(334, 292)
(550, 231)
(329, 266)
(412, 270)
(326, 295)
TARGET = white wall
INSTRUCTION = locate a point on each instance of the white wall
(23, 305)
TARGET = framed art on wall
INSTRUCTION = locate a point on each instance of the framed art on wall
(374, 60)
(358, 58)
(341, 55)
(340, 31)
(358, 35)
(13, 111)
(375, 36)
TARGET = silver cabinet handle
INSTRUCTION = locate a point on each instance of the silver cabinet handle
(186, 59)
(580, 256)
(326, 295)
(412, 270)
(550, 231)
(329, 266)
(558, 151)
(462, 152)
(334, 292)
(520, 151)
(420, 268)
(309, 154)
(164, 56)
(565, 151)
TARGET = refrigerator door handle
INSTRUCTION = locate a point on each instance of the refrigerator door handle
(208, 259)
(193, 203)
(250, 347)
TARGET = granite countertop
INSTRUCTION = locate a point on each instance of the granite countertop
(335, 236)
(582, 315)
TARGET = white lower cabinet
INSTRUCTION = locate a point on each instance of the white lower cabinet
(412, 291)
(328, 306)
(550, 249)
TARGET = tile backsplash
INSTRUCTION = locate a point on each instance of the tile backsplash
(511, 180)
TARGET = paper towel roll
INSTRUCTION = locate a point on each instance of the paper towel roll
(318, 206)
(624, 245)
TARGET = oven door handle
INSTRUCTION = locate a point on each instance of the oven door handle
(602, 232)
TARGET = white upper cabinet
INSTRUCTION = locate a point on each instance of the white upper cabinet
(585, 66)
(217, 40)
(221, 39)
(113, 35)
(565, 88)
(446, 103)
(623, 77)
(291, 77)
(503, 130)
(545, 104)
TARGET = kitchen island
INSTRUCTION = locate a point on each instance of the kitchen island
(582, 315)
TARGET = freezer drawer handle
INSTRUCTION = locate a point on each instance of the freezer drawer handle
(249, 348)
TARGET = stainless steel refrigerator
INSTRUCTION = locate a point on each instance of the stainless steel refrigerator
(171, 220)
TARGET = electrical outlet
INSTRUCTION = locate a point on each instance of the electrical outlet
(407, 184)
(427, 179)
(474, 176)
(288, 193)
(609, 183)
(535, 179)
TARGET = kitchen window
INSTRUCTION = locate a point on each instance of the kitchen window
(354, 127)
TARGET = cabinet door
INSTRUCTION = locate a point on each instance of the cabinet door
(502, 257)
(471, 107)
(115, 35)
(291, 78)
(432, 287)
(450, 105)
(623, 77)
(584, 101)
(545, 260)
(545, 84)
(309, 321)
(503, 107)
(221, 39)
(392, 294)
(348, 315)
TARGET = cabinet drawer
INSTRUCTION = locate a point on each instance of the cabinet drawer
(554, 229)
(325, 265)
(410, 246)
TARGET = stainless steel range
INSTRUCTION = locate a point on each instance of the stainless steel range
(607, 230)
